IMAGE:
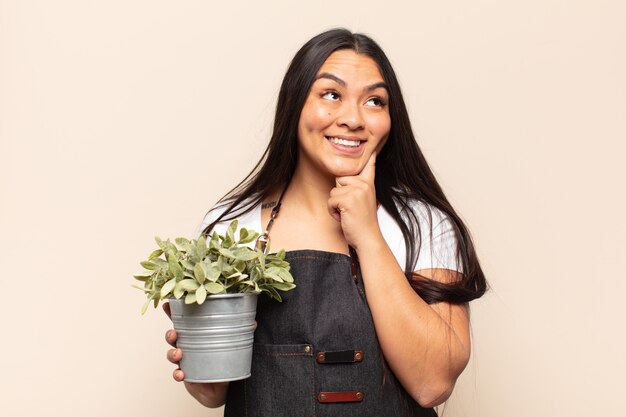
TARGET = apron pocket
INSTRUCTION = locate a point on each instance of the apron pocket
(282, 382)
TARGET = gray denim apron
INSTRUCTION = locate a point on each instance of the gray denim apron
(316, 353)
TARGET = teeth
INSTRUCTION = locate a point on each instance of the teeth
(345, 142)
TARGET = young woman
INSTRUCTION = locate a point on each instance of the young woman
(378, 324)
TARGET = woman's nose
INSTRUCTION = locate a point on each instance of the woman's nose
(350, 116)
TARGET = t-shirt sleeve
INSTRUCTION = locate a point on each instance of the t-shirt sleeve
(250, 220)
(439, 244)
(209, 218)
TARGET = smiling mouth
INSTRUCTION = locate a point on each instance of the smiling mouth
(353, 143)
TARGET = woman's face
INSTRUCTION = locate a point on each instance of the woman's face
(345, 116)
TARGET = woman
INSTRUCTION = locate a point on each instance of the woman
(378, 324)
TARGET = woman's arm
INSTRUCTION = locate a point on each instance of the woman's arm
(426, 346)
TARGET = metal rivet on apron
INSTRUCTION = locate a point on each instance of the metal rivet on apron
(322, 397)
(359, 395)
(321, 357)
(307, 349)
(358, 356)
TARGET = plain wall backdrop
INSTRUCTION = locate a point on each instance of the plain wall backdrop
(122, 120)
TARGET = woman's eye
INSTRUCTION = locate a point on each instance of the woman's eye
(331, 95)
(375, 102)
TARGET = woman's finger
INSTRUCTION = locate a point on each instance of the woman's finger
(174, 355)
(334, 209)
(369, 171)
(339, 191)
(178, 375)
(171, 336)
(346, 181)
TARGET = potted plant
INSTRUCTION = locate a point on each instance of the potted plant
(212, 286)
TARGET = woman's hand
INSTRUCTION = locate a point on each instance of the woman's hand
(353, 203)
(210, 395)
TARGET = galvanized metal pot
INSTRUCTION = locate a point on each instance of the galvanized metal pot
(216, 337)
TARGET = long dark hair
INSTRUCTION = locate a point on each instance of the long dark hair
(402, 173)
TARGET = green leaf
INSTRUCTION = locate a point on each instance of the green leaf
(230, 232)
(188, 285)
(279, 264)
(285, 275)
(168, 287)
(145, 306)
(142, 276)
(243, 233)
(272, 275)
(200, 294)
(239, 266)
(148, 265)
(160, 263)
(227, 253)
(178, 292)
(273, 293)
(200, 273)
(155, 254)
(190, 298)
(166, 245)
(201, 248)
(214, 287)
(192, 253)
(250, 236)
(214, 243)
(182, 242)
(188, 265)
(286, 286)
(245, 254)
(262, 256)
(282, 274)
(213, 272)
(139, 288)
(175, 268)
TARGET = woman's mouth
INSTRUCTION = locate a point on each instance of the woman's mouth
(350, 143)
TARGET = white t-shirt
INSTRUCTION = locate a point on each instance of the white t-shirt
(437, 249)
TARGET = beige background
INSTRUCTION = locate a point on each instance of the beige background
(125, 119)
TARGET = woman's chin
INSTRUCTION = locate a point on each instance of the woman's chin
(345, 171)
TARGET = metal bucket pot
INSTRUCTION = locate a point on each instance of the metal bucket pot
(215, 337)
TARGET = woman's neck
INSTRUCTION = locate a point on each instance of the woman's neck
(303, 221)
(309, 191)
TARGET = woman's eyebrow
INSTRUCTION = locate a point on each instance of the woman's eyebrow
(380, 84)
(328, 75)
